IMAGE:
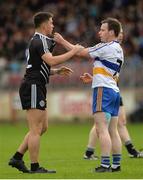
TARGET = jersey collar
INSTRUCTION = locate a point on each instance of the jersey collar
(40, 34)
(116, 41)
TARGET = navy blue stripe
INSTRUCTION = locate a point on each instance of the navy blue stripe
(116, 155)
(116, 163)
(105, 156)
(108, 64)
(116, 158)
(116, 41)
(106, 161)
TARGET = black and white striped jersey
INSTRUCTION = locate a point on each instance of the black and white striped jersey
(37, 70)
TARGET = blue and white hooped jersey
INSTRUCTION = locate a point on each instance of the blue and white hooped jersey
(108, 62)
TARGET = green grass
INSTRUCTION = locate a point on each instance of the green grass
(62, 149)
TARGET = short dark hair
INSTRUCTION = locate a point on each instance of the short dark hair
(113, 24)
(41, 17)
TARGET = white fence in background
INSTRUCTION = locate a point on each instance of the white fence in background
(65, 105)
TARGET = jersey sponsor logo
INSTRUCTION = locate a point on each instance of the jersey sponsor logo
(42, 103)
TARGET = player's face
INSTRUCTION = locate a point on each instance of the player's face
(104, 32)
(49, 26)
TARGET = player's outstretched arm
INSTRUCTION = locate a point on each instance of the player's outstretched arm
(86, 78)
(67, 45)
(64, 71)
(60, 40)
(55, 60)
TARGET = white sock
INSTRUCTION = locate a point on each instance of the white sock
(114, 166)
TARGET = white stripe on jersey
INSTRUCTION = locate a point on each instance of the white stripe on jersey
(43, 76)
(46, 66)
(43, 35)
(44, 70)
(45, 45)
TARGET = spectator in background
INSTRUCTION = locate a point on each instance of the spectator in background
(16, 17)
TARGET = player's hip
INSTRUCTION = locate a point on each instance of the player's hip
(106, 100)
(32, 95)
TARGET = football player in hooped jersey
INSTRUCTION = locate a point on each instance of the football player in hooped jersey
(122, 129)
(33, 89)
(108, 59)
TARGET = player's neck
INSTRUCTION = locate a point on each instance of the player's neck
(38, 30)
(110, 39)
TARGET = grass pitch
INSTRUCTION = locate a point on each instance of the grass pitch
(62, 148)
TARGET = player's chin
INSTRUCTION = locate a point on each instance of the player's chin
(51, 32)
(101, 40)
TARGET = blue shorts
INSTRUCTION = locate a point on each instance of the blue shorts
(106, 100)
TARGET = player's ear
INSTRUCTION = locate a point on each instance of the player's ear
(44, 25)
(111, 32)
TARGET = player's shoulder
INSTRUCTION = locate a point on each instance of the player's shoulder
(35, 38)
(34, 42)
(45, 39)
(102, 45)
(39, 39)
(116, 45)
(97, 46)
(113, 45)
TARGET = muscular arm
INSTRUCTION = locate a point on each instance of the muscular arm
(67, 45)
(55, 60)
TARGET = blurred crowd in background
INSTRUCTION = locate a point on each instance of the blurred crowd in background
(78, 21)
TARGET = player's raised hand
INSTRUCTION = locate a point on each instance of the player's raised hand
(58, 37)
(86, 78)
(65, 71)
(77, 48)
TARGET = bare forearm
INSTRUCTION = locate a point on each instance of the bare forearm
(67, 45)
(55, 60)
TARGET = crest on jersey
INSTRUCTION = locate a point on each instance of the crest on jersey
(42, 103)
